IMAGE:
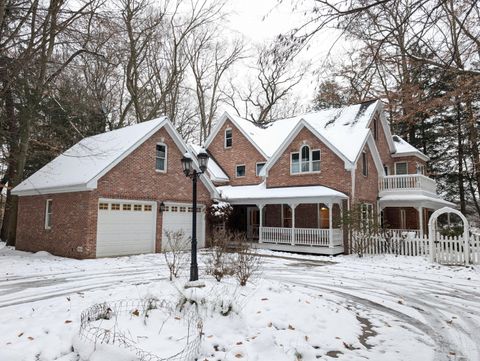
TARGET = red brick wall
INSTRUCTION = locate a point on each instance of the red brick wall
(366, 187)
(75, 214)
(73, 224)
(411, 163)
(136, 178)
(241, 152)
(381, 143)
(332, 169)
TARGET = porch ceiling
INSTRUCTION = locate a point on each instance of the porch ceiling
(413, 200)
(260, 194)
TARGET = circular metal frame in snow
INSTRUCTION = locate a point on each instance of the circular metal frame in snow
(107, 310)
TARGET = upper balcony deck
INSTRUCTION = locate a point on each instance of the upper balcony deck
(406, 183)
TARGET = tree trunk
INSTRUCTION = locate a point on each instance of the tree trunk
(460, 155)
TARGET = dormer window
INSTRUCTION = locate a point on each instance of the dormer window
(305, 161)
(228, 138)
(161, 158)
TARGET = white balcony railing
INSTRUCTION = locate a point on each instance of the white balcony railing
(406, 182)
(316, 237)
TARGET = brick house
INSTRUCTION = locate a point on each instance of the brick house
(118, 192)
(289, 181)
(111, 194)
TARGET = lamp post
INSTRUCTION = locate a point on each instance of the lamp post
(193, 174)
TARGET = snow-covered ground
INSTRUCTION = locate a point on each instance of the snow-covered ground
(301, 308)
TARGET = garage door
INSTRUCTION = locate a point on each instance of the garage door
(125, 227)
(176, 217)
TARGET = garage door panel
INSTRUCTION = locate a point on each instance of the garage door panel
(175, 221)
(125, 232)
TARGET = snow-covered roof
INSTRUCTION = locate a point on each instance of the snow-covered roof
(403, 148)
(345, 128)
(259, 192)
(79, 168)
(432, 200)
(216, 173)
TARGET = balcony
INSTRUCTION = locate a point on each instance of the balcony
(406, 183)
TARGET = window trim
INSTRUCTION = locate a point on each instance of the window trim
(225, 138)
(310, 161)
(48, 215)
(364, 164)
(256, 168)
(406, 167)
(165, 159)
(236, 170)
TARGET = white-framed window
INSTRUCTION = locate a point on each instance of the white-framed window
(375, 128)
(365, 164)
(401, 168)
(161, 157)
(48, 213)
(420, 168)
(240, 170)
(305, 160)
(258, 167)
(228, 138)
(366, 214)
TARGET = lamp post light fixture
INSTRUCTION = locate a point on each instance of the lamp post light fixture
(193, 174)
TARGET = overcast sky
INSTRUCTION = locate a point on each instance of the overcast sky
(261, 21)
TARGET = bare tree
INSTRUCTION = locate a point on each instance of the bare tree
(210, 58)
(275, 78)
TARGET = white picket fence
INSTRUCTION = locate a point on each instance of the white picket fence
(447, 250)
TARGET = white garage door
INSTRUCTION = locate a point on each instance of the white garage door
(178, 217)
(125, 227)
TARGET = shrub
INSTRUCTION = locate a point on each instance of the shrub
(176, 256)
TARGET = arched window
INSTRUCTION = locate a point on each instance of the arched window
(305, 151)
(305, 160)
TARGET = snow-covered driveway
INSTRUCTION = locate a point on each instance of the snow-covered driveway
(437, 307)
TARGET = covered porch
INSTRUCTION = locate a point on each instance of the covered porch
(409, 212)
(296, 219)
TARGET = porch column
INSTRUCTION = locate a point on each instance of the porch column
(293, 206)
(260, 221)
(330, 229)
(420, 219)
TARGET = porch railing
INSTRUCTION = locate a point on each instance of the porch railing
(407, 182)
(315, 237)
(276, 235)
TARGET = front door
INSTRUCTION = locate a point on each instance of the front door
(253, 217)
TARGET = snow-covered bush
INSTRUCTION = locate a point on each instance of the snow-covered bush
(219, 212)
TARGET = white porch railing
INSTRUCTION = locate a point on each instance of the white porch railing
(407, 182)
(315, 237)
(276, 235)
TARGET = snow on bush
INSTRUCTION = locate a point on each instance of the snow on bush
(219, 212)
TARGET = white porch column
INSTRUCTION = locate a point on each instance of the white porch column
(293, 206)
(260, 221)
(330, 229)
(420, 220)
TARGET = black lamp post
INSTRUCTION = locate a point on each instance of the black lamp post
(189, 171)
